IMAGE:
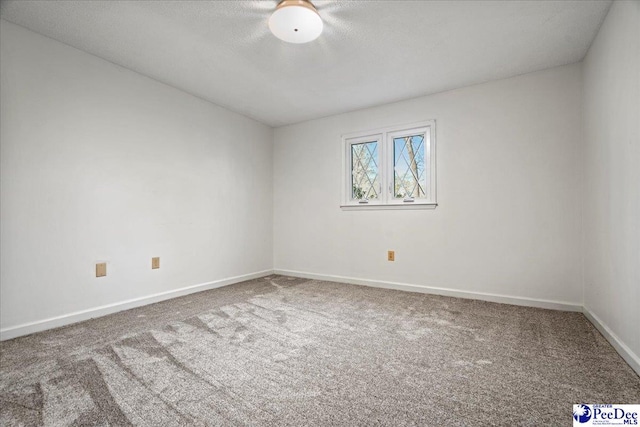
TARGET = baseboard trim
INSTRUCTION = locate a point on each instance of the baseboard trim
(627, 354)
(78, 316)
(503, 299)
(55, 322)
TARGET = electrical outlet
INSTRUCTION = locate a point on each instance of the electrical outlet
(391, 255)
(155, 262)
(101, 269)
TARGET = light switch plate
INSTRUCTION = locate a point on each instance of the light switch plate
(155, 262)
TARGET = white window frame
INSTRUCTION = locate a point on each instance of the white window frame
(384, 137)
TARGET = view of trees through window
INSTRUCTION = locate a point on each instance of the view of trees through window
(410, 178)
(364, 167)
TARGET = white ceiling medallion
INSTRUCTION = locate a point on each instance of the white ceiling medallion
(296, 21)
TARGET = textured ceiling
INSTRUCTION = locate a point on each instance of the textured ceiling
(371, 52)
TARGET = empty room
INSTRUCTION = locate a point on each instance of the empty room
(325, 213)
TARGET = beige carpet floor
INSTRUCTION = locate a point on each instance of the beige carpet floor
(284, 351)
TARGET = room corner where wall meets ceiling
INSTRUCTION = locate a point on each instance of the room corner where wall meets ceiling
(224, 52)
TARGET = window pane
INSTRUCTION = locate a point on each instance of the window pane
(364, 171)
(409, 178)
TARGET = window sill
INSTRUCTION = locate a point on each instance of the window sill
(378, 207)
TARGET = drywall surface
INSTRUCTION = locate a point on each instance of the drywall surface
(612, 174)
(102, 164)
(509, 190)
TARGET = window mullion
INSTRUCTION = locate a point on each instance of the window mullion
(386, 160)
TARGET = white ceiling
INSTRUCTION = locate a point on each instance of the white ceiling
(371, 52)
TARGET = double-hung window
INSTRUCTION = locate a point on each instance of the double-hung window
(391, 168)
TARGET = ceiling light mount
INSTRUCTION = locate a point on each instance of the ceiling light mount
(296, 21)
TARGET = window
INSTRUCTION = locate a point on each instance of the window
(392, 168)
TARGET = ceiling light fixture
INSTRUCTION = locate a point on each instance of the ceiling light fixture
(296, 21)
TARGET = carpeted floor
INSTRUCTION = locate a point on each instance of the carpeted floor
(285, 351)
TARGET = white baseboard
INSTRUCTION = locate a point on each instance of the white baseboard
(54, 322)
(627, 354)
(504, 299)
(78, 316)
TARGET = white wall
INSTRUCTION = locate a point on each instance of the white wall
(102, 164)
(509, 194)
(612, 175)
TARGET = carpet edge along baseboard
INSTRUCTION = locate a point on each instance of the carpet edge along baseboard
(79, 316)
